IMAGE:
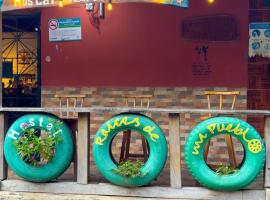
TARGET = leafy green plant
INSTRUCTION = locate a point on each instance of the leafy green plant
(225, 170)
(129, 168)
(37, 147)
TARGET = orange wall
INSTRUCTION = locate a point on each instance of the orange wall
(141, 45)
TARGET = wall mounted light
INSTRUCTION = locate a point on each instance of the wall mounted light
(109, 6)
(61, 4)
(211, 1)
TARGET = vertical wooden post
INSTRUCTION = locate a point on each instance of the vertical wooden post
(3, 129)
(267, 148)
(1, 60)
(83, 143)
(175, 153)
(3, 119)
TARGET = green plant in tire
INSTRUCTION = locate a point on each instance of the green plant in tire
(225, 170)
(36, 147)
(129, 168)
(126, 174)
(225, 178)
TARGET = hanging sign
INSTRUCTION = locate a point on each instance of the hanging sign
(181, 3)
(22, 4)
(259, 39)
(64, 29)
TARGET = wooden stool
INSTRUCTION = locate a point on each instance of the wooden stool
(125, 155)
(228, 138)
(71, 118)
(69, 101)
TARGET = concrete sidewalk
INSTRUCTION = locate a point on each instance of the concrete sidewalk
(46, 196)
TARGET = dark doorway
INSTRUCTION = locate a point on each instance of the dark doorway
(21, 60)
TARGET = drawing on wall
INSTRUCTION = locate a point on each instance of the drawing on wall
(201, 67)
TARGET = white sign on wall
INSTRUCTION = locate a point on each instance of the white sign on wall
(65, 29)
(259, 39)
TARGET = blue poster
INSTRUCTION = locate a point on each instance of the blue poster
(1, 2)
(259, 39)
(180, 3)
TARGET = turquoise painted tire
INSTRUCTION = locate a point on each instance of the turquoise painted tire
(154, 136)
(63, 150)
(248, 136)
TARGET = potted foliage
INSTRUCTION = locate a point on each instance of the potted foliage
(131, 169)
(225, 170)
(37, 146)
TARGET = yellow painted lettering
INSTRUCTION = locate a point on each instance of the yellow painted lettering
(229, 127)
(104, 132)
(220, 127)
(211, 128)
(235, 130)
(116, 124)
(136, 122)
(244, 135)
(198, 143)
(149, 130)
(112, 127)
(255, 145)
(123, 121)
(99, 141)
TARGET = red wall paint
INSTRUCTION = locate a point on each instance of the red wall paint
(141, 45)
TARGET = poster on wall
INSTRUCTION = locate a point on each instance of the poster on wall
(23, 4)
(259, 39)
(178, 3)
(64, 29)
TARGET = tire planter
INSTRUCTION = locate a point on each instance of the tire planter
(252, 144)
(63, 150)
(145, 126)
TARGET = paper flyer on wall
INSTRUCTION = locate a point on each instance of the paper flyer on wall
(259, 39)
